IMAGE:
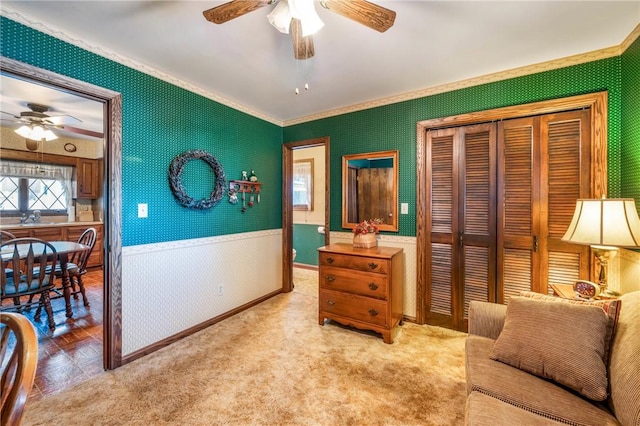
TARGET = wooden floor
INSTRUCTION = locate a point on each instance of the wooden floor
(73, 352)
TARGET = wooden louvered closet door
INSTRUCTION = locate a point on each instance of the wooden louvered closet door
(462, 220)
(543, 168)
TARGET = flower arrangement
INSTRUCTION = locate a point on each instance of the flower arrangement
(368, 227)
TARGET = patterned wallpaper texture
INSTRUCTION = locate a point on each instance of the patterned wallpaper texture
(160, 121)
(630, 158)
(394, 126)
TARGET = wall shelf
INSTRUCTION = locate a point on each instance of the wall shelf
(245, 186)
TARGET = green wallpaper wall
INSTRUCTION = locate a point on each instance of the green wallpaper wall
(394, 126)
(306, 241)
(160, 121)
(630, 156)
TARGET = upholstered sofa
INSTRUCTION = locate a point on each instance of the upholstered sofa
(506, 393)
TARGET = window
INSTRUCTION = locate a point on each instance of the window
(27, 194)
(25, 187)
(303, 184)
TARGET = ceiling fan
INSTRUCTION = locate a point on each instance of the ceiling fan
(361, 11)
(37, 125)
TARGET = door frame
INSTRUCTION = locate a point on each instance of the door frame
(111, 190)
(287, 203)
(599, 120)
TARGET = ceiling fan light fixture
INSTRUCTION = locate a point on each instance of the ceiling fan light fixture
(280, 17)
(49, 135)
(36, 133)
(304, 10)
(24, 131)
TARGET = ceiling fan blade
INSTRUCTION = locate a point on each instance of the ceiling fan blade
(8, 113)
(233, 9)
(363, 12)
(57, 120)
(302, 46)
(80, 131)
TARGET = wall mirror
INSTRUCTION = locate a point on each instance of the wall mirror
(370, 189)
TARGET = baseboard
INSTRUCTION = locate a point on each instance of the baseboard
(305, 266)
(169, 340)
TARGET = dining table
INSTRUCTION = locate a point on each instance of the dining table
(64, 251)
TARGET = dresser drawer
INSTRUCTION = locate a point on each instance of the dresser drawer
(360, 308)
(363, 283)
(360, 263)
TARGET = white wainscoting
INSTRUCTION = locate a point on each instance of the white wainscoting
(172, 286)
(409, 246)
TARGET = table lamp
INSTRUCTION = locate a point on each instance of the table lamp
(604, 224)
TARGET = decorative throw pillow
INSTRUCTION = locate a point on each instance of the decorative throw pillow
(557, 341)
(611, 307)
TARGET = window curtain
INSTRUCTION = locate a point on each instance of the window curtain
(41, 171)
(302, 184)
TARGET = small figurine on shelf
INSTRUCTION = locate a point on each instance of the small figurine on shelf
(233, 196)
(244, 175)
(253, 177)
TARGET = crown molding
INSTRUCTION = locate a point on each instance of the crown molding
(630, 39)
(131, 63)
(462, 84)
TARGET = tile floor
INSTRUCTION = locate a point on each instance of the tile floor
(73, 352)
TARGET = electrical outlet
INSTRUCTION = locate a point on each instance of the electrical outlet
(143, 210)
(220, 289)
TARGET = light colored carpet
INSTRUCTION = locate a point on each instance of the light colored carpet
(273, 364)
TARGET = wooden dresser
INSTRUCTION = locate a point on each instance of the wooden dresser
(361, 287)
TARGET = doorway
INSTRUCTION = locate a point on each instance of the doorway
(111, 190)
(287, 202)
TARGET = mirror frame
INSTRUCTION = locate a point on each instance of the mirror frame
(393, 225)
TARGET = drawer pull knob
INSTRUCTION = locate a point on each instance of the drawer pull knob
(373, 312)
(329, 259)
(331, 302)
(331, 278)
(373, 286)
(373, 265)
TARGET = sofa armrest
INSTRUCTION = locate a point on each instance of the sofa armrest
(486, 319)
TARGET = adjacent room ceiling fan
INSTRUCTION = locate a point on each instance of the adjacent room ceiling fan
(36, 125)
(299, 18)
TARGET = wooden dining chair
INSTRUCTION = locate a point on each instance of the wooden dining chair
(18, 363)
(77, 266)
(6, 236)
(37, 276)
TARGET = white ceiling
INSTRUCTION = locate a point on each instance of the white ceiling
(248, 63)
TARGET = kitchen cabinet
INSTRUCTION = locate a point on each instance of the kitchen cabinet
(64, 232)
(88, 178)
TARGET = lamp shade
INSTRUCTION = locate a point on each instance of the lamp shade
(605, 222)
(304, 10)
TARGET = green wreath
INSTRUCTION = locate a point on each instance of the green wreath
(175, 179)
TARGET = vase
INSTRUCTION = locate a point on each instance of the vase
(365, 240)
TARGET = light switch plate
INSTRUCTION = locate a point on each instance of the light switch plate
(404, 208)
(143, 210)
